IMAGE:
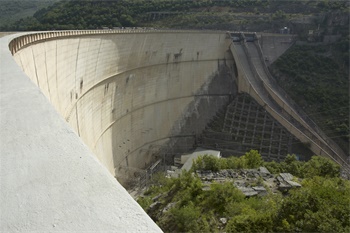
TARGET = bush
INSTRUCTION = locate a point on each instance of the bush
(321, 205)
(253, 159)
(320, 166)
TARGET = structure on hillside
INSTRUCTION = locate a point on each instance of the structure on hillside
(127, 97)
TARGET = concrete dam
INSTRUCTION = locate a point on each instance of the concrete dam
(79, 108)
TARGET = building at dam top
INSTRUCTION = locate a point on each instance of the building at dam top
(79, 108)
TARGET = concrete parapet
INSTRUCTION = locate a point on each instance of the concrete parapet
(29, 38)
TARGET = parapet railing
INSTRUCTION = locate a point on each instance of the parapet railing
(32, 37)
(315, 142)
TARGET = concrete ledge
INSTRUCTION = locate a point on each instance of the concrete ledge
(50, 181)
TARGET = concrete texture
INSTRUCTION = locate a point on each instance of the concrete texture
(124, 93)
(50, 180)
(124, 96)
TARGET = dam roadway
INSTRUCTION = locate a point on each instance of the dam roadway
(127, 96)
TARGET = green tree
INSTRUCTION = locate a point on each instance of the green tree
(220, 195)
(273, 167)
(185, 218)
(250, 221)
(292, 165)
(253, 159)
(321, 205)
(320, 166)
(208, 162)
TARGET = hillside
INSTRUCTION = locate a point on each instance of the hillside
(317, 79)
(256, 15)
(12, 10)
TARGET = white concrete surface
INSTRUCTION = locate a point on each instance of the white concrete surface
(121, 94)
(50, 180)
(124, 92)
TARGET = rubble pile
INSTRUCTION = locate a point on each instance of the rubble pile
(252, 182)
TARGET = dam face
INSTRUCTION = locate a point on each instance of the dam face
(130, 96)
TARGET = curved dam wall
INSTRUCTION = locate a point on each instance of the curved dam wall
(131, 95)
(50, 180)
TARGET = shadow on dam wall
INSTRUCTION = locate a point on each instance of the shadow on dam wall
(131, 96)
(208, 100)
(218, 91)
(134, 96)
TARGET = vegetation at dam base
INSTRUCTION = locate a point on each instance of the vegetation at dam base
(183, 204)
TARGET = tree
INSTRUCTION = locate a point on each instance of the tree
(320, 166)
(208, 162)
(220, 195)
(292, 165)
(321, 205)
(250, 221)
(253, 159)
(185, 218)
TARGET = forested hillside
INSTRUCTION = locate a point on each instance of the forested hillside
(317, 78)
(12, 10)
(254, 15)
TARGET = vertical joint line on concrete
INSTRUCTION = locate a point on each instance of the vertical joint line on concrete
(47, 78)
(57, 91)
(36, 72)
(76, 68)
